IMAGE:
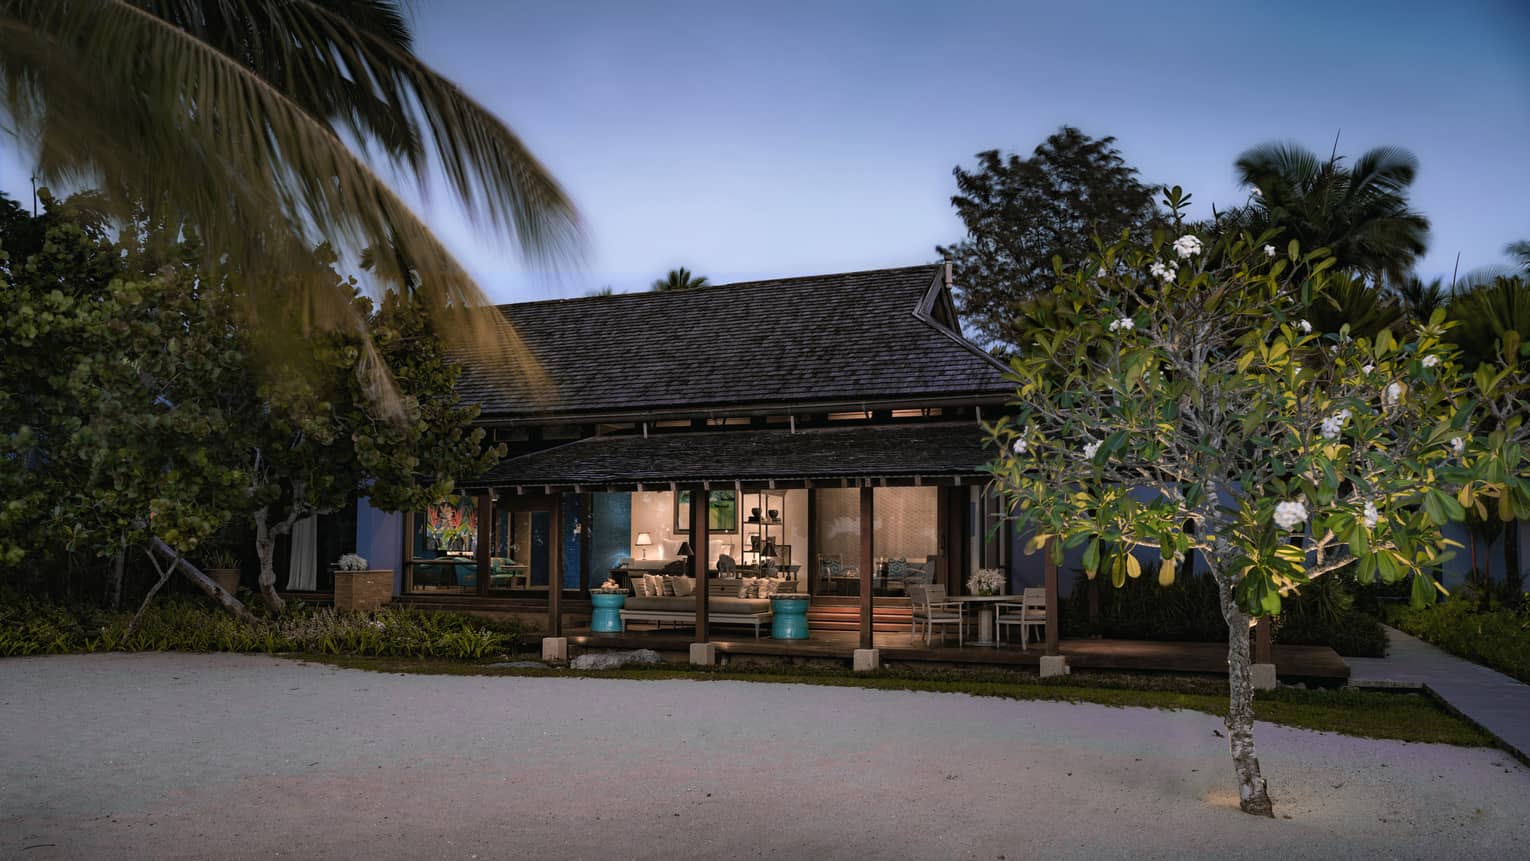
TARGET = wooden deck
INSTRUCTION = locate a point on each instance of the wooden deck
(1292, 663)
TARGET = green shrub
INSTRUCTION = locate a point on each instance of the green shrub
(1324, 614)
(32, 627)
(1497, 637)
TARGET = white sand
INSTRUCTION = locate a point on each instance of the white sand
(221, 756)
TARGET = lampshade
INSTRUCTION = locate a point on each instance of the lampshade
(769, 551)
(685, 549)
(643, 539)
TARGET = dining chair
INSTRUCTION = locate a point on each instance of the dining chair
(1029, 612)
(931, 608)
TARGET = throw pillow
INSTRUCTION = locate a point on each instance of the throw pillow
(768, 586)
(684, 587)
(748, 587)
(669, 586)
(651, 586)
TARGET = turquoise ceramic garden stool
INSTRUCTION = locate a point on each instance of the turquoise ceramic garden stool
(788, 617)
(607, 617)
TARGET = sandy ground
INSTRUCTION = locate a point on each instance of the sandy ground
(223, 756)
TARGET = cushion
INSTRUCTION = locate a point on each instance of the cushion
(683, 586)
(668, 583)
(737, 605)
(749, 587)
(768, 586)
(676, 605)
(651, 587)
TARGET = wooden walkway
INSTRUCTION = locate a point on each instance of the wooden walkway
(1292, 663)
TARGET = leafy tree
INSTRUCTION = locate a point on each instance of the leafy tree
(233, 118)
(679, 279)
(1360, 213)
(1419, 299)
(317, 438)
(1020, 213)
(111, 401)
(1187, 371)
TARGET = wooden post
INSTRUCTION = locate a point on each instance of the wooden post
(554, 567)
(939, 576)
(868, 529)
(700, 499)
(1053, 622)
(485, 507)
(1264, 653)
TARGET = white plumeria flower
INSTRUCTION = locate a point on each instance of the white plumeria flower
(1123, 324)
(1431, 361)
(1366, 369)
(1090, 449)
(1187, 246)
(1392, 395)
(1163, 272)
(1334, 424)
(1256, 192)
(1020, 445)
(1371, 516)
(1304, 326)
(1101, 273)
(1289, 515)
(1458, 445)
(1269, 251)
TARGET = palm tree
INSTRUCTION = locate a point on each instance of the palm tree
(1420, 299)
(679, 279)
(1358, 212)
(1520, 251)
(255, 124)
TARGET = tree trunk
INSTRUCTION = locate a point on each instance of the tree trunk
(165, 573)
(265, 548)
(205, 583)
(1253, 794)
(114, 580)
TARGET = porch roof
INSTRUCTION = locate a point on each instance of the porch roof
(911, 454)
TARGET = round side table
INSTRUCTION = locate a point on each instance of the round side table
(607, 617)
(788, 617)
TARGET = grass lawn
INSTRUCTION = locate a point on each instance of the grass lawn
(1367, 714)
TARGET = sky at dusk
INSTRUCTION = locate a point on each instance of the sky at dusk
(772, 139)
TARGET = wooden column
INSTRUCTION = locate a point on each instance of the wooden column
(485, 508)
(868, 570)
(1264, 653)
(700, 499)
(939, 576)
(1053, 622)
(554, 567)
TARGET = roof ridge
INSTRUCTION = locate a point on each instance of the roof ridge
(764, 282)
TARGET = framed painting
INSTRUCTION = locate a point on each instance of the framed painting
(722, 512)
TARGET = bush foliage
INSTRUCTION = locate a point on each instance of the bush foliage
(34, 627)
(1496, 636)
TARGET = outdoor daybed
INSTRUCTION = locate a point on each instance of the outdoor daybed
(724, 606)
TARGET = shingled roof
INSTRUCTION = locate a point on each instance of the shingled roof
(850, 338)
(942, 450)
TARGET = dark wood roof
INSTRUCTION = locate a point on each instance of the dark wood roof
(945, 450)
(848, 338)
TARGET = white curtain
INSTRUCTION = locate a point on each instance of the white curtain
(303, 564)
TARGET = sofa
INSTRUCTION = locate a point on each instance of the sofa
(678, 603)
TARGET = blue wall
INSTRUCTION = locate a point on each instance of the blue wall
(380, 539)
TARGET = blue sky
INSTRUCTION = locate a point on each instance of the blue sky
(773, 139)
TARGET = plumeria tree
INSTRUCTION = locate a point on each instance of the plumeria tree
(1173, 399)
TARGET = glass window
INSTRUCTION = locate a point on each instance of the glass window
(444, 542)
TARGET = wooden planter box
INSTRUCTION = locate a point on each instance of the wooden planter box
(363, 590)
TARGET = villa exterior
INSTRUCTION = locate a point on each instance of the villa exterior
(832, 422)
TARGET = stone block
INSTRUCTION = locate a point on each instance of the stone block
(362, 590)
(704, 654)
(867, 660)
(555, 649)
(1264, 677)
(1054, 665)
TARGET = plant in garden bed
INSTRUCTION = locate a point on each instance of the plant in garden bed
(1219, 422)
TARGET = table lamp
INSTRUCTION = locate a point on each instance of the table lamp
(644, 540)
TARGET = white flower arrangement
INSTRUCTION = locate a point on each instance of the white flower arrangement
(1163, 272)
(1371, 516)
(1289, 515)
(986, 581)
(1269, 251)
(1123, 324)
(1089, 450)
(1334, 424)
(1458, 446)
(352, 562)
(1431, 361)
(1187, 246)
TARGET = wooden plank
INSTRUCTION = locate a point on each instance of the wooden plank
(868, 529)
(700, 501)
